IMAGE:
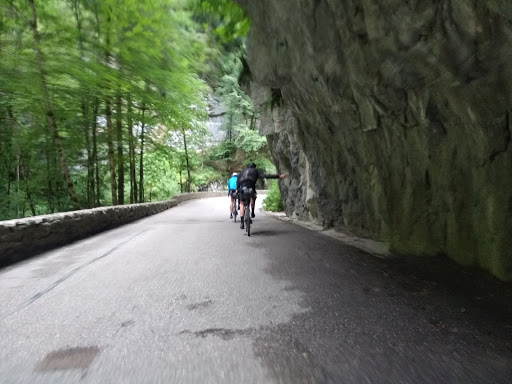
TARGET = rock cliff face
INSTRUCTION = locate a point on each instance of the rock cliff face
(392, 119)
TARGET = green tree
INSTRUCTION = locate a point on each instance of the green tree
(97, 97)
(75, 76)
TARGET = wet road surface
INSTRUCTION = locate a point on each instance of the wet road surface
(186, 297)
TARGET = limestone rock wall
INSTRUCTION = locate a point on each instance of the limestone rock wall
(392, 119)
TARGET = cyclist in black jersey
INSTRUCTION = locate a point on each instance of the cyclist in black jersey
(248, 178)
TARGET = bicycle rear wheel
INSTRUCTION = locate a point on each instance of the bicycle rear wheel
(248, 219)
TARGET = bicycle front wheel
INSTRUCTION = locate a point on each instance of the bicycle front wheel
(248, 221)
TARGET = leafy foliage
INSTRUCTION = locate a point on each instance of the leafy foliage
(242, 143)
(229, 20)
(273, 201)
(104, 101)
(113, 78)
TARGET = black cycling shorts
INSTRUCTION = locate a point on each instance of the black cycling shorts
(247, 185)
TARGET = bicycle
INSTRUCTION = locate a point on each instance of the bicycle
(235, 210)
(247, 194)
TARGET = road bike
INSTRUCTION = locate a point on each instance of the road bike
(247, 194)
(234, 194)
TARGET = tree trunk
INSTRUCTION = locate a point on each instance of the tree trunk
(1, 148)
(253, 118)
(51, 205)
(120, 162)
(108, 116)
(49, 109)
(22, 169)
(2, 138)
(111, 157)
(90, 170)
(186, 159)
(90, 188)
(95, 123)
(4, 169)
(131, 150)
(25, 176)
(95, 182)
(18, 186)
(181, 179)
(8, 145)
(58, 183)
(141, 161)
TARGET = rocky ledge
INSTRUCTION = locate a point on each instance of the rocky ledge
(392, 119)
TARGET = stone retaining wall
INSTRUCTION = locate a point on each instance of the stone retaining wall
(23, 238)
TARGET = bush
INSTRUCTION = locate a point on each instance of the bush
(273, 200)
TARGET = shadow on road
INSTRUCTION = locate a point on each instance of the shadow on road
(384, 320)
(268, 232)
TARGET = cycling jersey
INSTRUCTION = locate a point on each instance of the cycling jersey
(250, 176)
(232, 184)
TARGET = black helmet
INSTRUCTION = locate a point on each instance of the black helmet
(251, 165)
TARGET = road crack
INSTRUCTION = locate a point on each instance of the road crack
(223, 333)
(40, 294)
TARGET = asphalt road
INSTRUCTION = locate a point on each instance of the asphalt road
(186, 297)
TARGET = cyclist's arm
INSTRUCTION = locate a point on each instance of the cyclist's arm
(272, 176)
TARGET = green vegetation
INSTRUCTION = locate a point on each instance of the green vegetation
(242, 143)
(105, 102)
(273, 201)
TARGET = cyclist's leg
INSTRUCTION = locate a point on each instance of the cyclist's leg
(252, 206)
(253, 202)
(242, 213)
(242, 209)
(231, 205)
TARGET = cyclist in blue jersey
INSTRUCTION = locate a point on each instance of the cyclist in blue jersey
(232, 187)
